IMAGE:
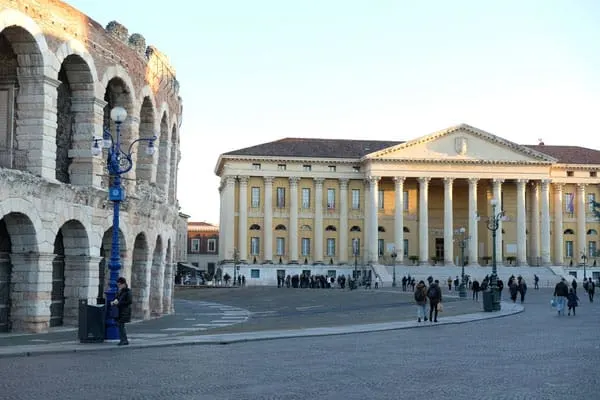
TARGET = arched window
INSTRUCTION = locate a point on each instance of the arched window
(305, 228)
(331, 228)
(380, 229)
(355, 228)
(280, 228)
(255, 227)
(592, 232)
(406, 230)
(568, 232)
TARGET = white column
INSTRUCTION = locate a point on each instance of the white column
(399, 218)
(293, 229)
(373, 251)
(448, 223)
(558, 224)
(473, 228)
(498, 197)
(535, 224)
(423, 221)
(521, 223)
(545, 226)
(243, 219)
(581, 228)
(222, 226)
(318, 256)
(343, 236)
(268, 221)
(229, 217)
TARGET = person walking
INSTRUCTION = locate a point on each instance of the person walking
(123, 302)
(475, 288)
(561, 291)
(434, 293)
(591, 288)
(572, 301)
(421, 300)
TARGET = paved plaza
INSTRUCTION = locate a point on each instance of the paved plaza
(531, 355)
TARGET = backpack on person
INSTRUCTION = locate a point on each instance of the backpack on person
(433, 292)
(586, 286)
(420, 295)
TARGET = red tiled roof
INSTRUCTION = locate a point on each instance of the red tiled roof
(569, 154)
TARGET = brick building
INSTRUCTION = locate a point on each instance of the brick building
(203, 246)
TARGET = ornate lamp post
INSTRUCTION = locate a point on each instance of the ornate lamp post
(493, 223)
(462, 288)
(118, 162)
(236, 260)
(394, 255)
(584, 259)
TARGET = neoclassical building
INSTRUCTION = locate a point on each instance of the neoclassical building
(61, 74)
(337, 202)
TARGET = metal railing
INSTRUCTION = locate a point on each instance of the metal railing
(13, 158)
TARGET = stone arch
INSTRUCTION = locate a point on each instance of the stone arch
(117, 71)
(75, 121)
(306, 228)
(169, 280)
(25, 226)
(280, 227)
(355, 228)
(330, 228)
(145, 164)
(140, 277)
(10, 17)
(75, 47)
(173, 163)
(380, 229)
(157, 278)
(592, 232)
(406, 230)
(164, 148)
(105, 254)
(568, 232)
(254, 227)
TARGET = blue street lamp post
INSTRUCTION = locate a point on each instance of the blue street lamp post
(118, 162)
(394, 255)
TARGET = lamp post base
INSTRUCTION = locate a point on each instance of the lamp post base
(462, 290)
(111, 327)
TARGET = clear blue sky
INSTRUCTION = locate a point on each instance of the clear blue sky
(256, 71)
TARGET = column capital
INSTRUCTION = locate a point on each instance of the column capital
(399, 179)
(497, 181)
(344, 183)
(558, 187)
(424, 180)
(229, 180)
(581, 186)
(546, 182)
(473, 181)
(448, 181)
(319, 181)
(522, 181)
(294, 180)
(243, 179)
(268, 180)
(373, 179)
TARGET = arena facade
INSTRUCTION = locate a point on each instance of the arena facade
(60, 75)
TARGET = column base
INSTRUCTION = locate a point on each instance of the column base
(318, 263)
(473, 265)
(449, 264)
(522, 264)
(293, 262)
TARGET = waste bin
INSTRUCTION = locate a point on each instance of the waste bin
(488, 301)
(91, 322)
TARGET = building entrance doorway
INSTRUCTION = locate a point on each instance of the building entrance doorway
(439, 248)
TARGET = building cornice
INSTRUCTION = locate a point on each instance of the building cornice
(279, 159)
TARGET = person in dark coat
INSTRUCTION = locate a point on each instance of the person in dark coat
(561, 292)
(434, 293)
(572, 301)
(475, 288)
(123, 302)
(513, 289)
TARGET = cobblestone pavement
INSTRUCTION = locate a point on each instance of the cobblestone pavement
(532, 355)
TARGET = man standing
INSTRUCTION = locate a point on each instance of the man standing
(123, 302)
(561, 291)
(591, 288)
(435, 297)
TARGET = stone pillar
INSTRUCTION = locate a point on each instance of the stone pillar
(81, 282)
(423, 220)
(140, 285)
(343, 237)
(558, 224)
(581, 228)
(243, 220)
(545, 226)
(229, 217)
(222, 225)
(157, 285)
(318, 231)
(31, 291)
(521, 223)
(535, 224)
(268, 228)
(168, 289)
(498, 196)
(373, 249)
(448, 223)
(293, 230)
(399, 218)
(85, 169)
(473, 227)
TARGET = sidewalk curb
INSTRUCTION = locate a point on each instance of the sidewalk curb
(232, 338)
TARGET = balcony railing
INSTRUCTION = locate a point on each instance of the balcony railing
(13, 158)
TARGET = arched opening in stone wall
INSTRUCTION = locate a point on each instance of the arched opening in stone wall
(157, 279)
(173, 166)
(75, 121)
(162, 174)
(168, 280)
(103, 270)
(144, 162)
(17, 238)
(140, 277)
(57, 297)
(20, 84)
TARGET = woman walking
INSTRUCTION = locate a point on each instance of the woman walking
(123, 302)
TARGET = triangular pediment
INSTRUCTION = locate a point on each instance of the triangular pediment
(462, 143)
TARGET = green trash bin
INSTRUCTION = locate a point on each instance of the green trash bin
(488, 301)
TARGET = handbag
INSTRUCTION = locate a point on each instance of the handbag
(440, 307)
(553, 303)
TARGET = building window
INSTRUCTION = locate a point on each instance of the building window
(405, 247)
(405, 201)
(255, 197)
(280, 197)
(306, 168)
(305, 246)
(591, 201)
(356, 168)
(380, 197)
(195, 246)
(569, 203)
(356, 247)
(330, 199)
(593, 174)
(380, 247)
(305, 197)
(332, 168)
(569, 248)
(280, 246)
(281, 167)
(255, 273)
(569, 173)
(254, 246)
(256, 166)
(330, 247)
(591, 248)
(355, 199)
(211, 245)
